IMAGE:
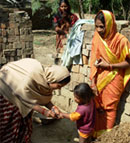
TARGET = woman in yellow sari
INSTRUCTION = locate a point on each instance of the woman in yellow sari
(110, 69)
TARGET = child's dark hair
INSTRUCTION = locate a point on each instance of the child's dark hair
(84, 91)
(100, 16)
(65, 80)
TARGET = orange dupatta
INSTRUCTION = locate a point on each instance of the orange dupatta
(113, 49)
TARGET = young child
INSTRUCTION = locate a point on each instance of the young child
(85, 112)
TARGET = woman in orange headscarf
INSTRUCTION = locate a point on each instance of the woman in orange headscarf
(110, 69)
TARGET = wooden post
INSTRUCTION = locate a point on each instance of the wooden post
(81, 13)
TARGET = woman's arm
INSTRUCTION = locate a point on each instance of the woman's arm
(57, 27)
(43, 111)
(93, 86)
(122, 65)
(53, 112)
(60, 30)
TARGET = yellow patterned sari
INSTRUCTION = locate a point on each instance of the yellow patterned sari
(110, 83)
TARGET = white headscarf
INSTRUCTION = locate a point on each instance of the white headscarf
(25, 83)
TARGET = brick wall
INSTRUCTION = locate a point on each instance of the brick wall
(16, 39)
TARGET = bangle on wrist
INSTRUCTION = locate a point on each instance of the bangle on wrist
(43, 111)
(54, 107)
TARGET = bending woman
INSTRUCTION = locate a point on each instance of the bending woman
(62, 21)
(110, 69)
(25, 85)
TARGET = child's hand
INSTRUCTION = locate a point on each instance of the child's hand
(56, 112)
(61, 115)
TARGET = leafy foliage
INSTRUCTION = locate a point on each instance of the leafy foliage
(35, 5)
(121, 8)
(54, 5)
(74, 5)
(93, 4)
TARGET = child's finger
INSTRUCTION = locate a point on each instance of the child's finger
(61, 116)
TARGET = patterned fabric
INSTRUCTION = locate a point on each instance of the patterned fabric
(58, 21)
(65, 25)
(13, 127)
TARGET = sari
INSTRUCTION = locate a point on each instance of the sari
(13, 127)
(110, 83)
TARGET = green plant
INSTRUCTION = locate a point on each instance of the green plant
(54, 5)
(35, 5)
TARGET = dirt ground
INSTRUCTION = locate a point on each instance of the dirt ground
(64, 130)
(44, 46)
(119, 134)
(59, 131)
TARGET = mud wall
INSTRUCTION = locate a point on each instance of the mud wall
(80, 73)
(16, 39)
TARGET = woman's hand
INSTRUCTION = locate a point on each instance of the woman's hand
(43, 111)
(54, 111)
(57, 112)
(59, 30)
(93, 86)
(49, 113)
(95, 90)
(101, 63)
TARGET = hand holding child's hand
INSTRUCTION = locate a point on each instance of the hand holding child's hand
(49, 113)
(56, 112)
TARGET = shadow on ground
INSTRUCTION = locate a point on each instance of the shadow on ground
(59, 131)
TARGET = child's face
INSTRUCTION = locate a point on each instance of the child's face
(77, 99)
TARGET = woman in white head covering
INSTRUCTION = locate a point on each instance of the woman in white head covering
(25, 86)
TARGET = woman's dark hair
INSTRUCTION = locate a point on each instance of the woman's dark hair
(84, 91)
(65, 80)
(100, 16)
